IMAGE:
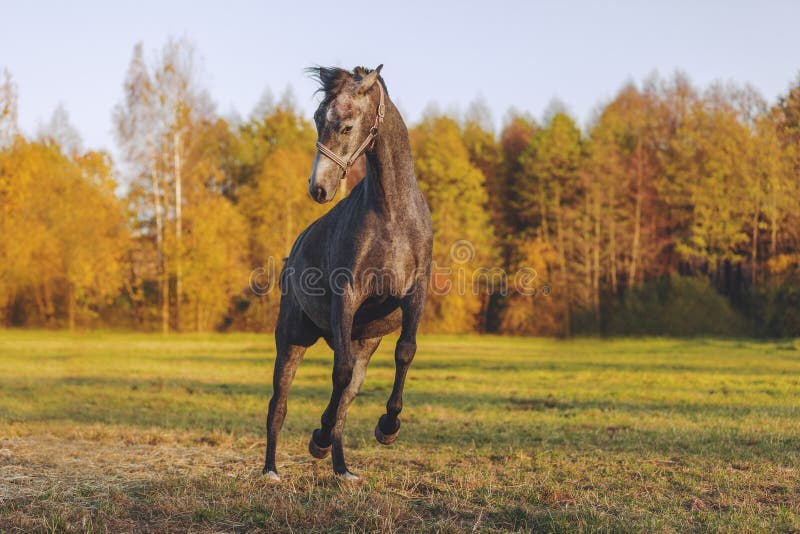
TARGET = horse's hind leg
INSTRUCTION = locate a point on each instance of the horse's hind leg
(293, 335)
(288, 356)
(330, 434)
(388, 427)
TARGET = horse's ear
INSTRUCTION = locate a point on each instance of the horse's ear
(369, 80)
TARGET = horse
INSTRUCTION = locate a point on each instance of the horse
(334, 282)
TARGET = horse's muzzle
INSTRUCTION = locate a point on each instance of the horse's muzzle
(317, 194)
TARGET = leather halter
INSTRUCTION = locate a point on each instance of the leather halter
(373, 133)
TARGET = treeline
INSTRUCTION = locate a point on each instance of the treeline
(673, 212)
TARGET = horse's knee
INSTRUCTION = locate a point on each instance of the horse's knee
(342, 373)
(404, 351)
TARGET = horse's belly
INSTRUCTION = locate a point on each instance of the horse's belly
(376, 318)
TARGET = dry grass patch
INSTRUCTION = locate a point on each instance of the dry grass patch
(114, 432)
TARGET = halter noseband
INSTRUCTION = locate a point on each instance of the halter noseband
(373, 133)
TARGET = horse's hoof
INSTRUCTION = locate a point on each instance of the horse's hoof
(272, 476)
(320, 453)
(386, 439)
(347, 476)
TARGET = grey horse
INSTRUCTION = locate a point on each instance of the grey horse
(359, 272)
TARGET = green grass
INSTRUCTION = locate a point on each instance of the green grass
(125, 432)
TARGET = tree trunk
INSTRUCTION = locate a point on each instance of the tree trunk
(596, 261)
(612, 245)
(637, 217)
(178, 230)
(483, 317)
(71, 306)
(587, 248)
(47, 300)
(562, 259)
(754, 253)
(162, 271)
(543, 207)
(774, 232)
(39, 300)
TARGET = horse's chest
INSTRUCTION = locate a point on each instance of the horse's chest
(389, 268)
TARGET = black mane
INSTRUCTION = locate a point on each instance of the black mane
(330, 79)
(333, 79)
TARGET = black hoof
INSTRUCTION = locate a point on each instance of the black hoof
(318, 452)
(383, 438)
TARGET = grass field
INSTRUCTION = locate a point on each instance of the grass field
(125, 432)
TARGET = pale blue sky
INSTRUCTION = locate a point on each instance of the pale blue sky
(520, 54)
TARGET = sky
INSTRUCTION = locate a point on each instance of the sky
(510, 54)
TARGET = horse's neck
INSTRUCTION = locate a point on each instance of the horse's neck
(390, 168)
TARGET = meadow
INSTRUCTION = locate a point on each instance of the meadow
(134, 432)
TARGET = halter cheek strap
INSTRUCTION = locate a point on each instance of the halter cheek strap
(368, 142)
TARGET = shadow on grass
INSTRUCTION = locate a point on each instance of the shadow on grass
(458, 417)
(458, 397)
(574, 365)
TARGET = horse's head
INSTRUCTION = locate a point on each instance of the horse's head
(347, 120)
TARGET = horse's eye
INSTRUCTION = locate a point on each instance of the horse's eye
(347, 129)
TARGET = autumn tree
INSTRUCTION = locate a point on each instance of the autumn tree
(278, 148)
(8, 110)
(547, 193)
(463, 235)
(138, 134)
(485, 153)
(515, 138)
(183, 105)
(164, 106)
(784, 188)
(70, 259)
(8, 133)
(712, 164)
(59, 130)
(667, 190)
(216, 253)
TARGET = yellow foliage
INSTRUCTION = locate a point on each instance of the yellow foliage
(463, 237)
(215, 259)
(783, 264)
(63, 228)
(533, 308)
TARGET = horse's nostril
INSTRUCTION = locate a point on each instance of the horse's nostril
(320, 193)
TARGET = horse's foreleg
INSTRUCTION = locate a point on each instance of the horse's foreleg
(362, 352)
(288, 356)
(344, 362)
(412, 305)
